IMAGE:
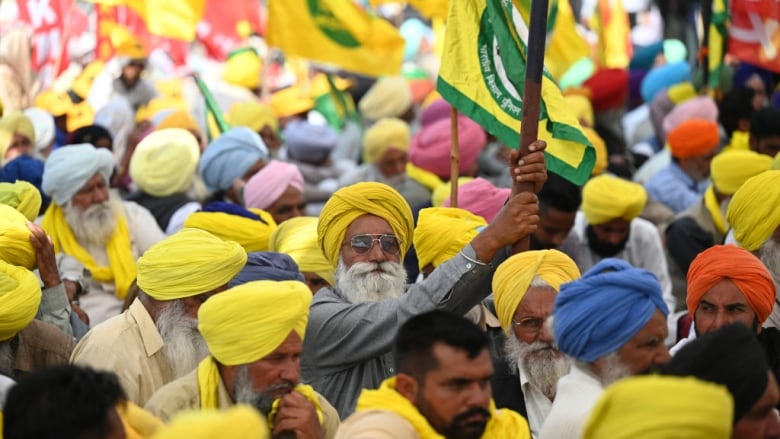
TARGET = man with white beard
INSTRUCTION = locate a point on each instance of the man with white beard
(364, 231)
(88, 223)
(524, 289)
(156, 340)
(612, 323)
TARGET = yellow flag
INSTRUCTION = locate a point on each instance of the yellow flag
(566, 46)
(717, 43)
(168, 18)
(336, 32)
(614, 32)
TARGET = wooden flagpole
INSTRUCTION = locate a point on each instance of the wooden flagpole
(454, 158)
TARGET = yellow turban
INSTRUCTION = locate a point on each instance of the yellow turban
(179, 119)
(298, 238)
(238, 422)
(388, 97)
(253, 115)
(18, 122)
(23, 197)
(660, 407)
(580, 107)
(731, 168)
(443, 191)
(5, 143)
(188, 263)
(253, 235)
(83, 82)
(57, 104)
(242, 68)
(128, 45)
(600, 147)
(15, 245)
(753, 210)
(513, 278)
(351, 202)
(606, 197)
(247, 322)
(79, 115)
(291, 101)
(386, 133)
(164, 162)
(442, 232)
(426, 178)
(20, 296)
(776, 163)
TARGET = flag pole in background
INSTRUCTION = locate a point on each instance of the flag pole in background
(454, 157)
(211, 104)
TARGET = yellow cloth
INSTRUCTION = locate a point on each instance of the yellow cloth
(681, 92)
(291, 101)
(739, 140)
(23, 197)
(753, 210)
(19, 123)
(79, 115)
(514, 276)
(15, 245)
(388, 97)
(164, 162)
(83, 82)
(121, 269)
(443, 191)
(305, 390)
(442, 232)
(386, 133)
(170, 88)
(731, 168)
(5, 143)
(776, 163)
(253, 115)
(503, 423)
(351, 202)
(188, 263)
(242, 68)
(159, 104)
(138, 423)
(252, 234)
(179, 119)
(426, 178)
(297, 237)
(128, 45)
(600, 147)
(566, 45)
(661, 407)
(605, 198)
(20, 296)
(581, 107)
(240, 422)
(57, 104)
(713, 207)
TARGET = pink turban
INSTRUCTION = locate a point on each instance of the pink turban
(265, 187)
(438, 110)
(430, 149)
(481, 198)
(701, 107)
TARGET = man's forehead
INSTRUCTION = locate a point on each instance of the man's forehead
(454, 362)
(95, 179)
(368, 224)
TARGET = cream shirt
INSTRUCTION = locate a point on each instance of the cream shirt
(537, 405)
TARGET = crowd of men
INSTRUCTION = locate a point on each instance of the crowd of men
(300, 276)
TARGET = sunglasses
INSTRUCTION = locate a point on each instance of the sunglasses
(364, 243)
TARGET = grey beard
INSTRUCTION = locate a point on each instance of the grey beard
(770, 256)
(544, 364)
(613, 369)
(359, 283)
(7, 359)
(263, 401)
(184, 347)
(94, 225)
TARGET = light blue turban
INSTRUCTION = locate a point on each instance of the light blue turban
(598, 313)
(69, 168)
(230, 157)
(661, 78)
(267, 266)
(309, 143)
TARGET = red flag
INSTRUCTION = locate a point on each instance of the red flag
(218, 30)
(47, 19)
(754, 33)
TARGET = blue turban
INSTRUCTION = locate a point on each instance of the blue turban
(309, 143)
(230, 157)
(644, 57)
(598, 313)
(745, 71)
(69, 168)
(267, 266)
(661, 78)
(27, 169)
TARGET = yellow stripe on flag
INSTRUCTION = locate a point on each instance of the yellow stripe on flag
(169, 18)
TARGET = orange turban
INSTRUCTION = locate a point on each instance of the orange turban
(739, 266)
(693, 138)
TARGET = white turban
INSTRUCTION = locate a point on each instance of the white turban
(70, 167)
(43, 124)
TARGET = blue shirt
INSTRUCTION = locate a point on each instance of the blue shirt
(674, 188)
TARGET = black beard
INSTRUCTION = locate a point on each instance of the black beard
(539, 245)
(603, 249)
(460, 430)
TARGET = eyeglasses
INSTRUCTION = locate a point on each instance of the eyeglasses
(364, 243)
(531, 325)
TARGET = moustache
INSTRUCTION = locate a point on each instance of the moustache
(472, 412)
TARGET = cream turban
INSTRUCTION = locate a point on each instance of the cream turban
(388, 97)
(442, 232)
(43, 125)
(246, 323)
(605, 198)
(241, 421)
(351, 202)
(20, 296)
(661, 407)
(188, 263)
(733, 167)
(269, 183)
(253, 115)
(18, 122)
(251, 233)
(386, 133)
(164, 162)
(23, 197)
(70, 167)
(753, 210)
(513, 278)
(298, 238)
(15, 245)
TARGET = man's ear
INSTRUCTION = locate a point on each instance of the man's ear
(407, 386)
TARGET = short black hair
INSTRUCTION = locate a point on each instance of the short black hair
(736, 105)
(413, 346)
(61, 402)
(559, 193)
(765, 123)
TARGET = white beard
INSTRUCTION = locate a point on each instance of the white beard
(613, 369)
(360, 283)
(94, 225)
(770, 256)
(184, 347)
(544, 364)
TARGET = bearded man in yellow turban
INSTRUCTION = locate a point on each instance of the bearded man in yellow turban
(608, 226)
(89, 224)
(524, 288)
(254, 332)
(364, 231)
(156, 340)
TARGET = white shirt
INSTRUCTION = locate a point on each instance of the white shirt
(537, 405)
(577, 394)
